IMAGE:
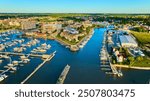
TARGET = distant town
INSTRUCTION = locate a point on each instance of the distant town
(125, 44)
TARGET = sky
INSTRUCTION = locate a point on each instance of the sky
(74, 6)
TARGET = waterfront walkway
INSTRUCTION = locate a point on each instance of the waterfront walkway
(132, 67)
(4, 71)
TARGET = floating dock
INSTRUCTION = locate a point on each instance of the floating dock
(38, 67)
(20, 54)
(63, 75)
(105, 69)
(106, 60)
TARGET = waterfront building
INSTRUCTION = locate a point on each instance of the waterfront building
(119, 58)
(87, 23)
(50, 28)
(104, 23)
(75, 25)
(27, 25)
(71, 30)
(127, 41)
(71, 37)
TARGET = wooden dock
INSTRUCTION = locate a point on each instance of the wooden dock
(104, 66)
(38, 67)
(114, 70)
(108, 59)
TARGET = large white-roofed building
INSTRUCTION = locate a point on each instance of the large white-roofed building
(127, 41)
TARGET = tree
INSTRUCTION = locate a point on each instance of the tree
(126, 52)
(114, 61)
(80, 29)
(88, 30)
(120, 50)
(148, 21)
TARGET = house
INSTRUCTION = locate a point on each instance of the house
(118, 56)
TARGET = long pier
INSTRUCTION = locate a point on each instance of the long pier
(63, 75)
(4, 71)
(114, 70)
(38, 67)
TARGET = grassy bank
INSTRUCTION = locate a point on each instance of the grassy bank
(144, 63)
(142, 37)
(65, 40)
(73, 42)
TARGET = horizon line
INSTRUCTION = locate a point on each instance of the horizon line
(63, 13)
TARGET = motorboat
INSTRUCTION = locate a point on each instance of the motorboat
(1, 78)
(15, 63)
(1, 61)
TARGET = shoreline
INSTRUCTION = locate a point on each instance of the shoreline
(72, 47)
(132, 67)
(3, 31)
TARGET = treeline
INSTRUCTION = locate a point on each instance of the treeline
(139, 29)
(123, 18)
(26, 15)
(21, 15)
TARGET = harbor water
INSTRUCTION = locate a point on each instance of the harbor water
(84, 65)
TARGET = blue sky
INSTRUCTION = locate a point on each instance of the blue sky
(75, 6)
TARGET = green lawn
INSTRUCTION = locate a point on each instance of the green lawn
(144, 63)
(142, 37)
(66, 41)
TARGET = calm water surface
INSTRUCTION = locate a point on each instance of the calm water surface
(85, 66)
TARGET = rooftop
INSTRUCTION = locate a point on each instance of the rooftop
(126, 39)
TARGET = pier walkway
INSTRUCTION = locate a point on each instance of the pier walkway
(38, 67)
(4, 71)
(63, 75)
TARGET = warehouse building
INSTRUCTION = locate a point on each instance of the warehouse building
(127, 41)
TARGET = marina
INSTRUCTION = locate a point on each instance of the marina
(39, 66)
(82, 68)
(20, 48)
(85, 40)
(106, 60)
(20, 54)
